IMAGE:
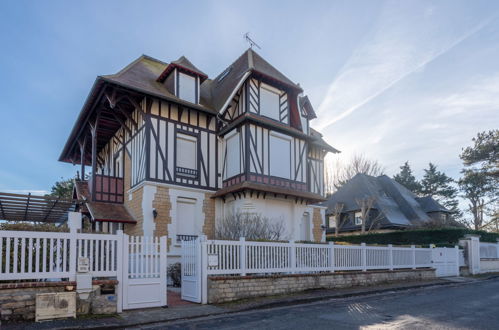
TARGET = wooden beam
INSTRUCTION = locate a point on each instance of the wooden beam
(83, 144)
(1, 209)
(27, 204)
(50, 210)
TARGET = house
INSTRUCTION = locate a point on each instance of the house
(172, 150)
(387, 205)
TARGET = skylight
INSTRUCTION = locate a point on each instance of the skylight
(224, 74)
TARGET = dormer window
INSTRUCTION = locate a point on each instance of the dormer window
(187, 87)
(269, 102)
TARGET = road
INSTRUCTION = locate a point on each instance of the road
(469, 306)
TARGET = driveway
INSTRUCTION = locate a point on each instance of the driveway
(470, 306)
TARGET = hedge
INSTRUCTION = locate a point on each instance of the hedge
(441, 237)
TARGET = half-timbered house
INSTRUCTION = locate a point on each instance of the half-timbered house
(171, 151)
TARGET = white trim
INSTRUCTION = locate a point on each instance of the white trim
(271, 89)
(231, 96)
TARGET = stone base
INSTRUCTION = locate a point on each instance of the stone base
(230, 288)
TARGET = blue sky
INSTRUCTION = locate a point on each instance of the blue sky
(395, 80)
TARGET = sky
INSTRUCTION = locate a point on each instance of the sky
(394, 80)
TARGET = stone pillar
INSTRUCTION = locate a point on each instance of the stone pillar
(473, 253)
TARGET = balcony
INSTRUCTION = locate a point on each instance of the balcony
(108, 189)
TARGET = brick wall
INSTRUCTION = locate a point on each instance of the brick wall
(209, 216)
(163, 205)
(134, 206)
(229, 288)
(317, 223)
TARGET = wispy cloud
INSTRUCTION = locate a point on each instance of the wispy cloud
(394, 50)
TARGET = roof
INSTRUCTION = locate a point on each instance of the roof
(319, 141)
(20, 207)
(398, 205)
(102, 211)
(183, 64)
(220, 89)
(430, 205)
(307, 105)
(247, 185)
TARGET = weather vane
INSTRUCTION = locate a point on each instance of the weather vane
(250, 41)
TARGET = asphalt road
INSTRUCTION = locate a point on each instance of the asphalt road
(470, 306)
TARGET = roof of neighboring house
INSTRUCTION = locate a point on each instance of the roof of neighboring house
(102, 211)
(398, 205)
(430, 205)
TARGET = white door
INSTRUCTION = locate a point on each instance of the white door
(144, 272)
(445, 261)
(191, 270)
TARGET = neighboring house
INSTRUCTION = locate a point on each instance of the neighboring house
(393, 206)
(172, 150)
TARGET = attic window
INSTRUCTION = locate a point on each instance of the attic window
(224, 74)
(187, 88)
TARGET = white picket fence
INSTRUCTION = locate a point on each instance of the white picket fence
(53, 255)
(244, 257)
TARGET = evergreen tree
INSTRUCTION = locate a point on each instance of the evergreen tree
(62, 189)
(407, 179)
(484, 152)
(439, 186)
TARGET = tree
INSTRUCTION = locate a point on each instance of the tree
(476, 187)
(337, 210)
(484, 152)
(439, 186)
(365, 207)
(407, 179)
(62, 189)
(337, 174)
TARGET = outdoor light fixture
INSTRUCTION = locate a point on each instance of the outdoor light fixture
(154, 213)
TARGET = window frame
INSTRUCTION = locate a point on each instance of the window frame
(194, 80)
(194, 137)
(289, 140)
(278, 93)
(355, 217)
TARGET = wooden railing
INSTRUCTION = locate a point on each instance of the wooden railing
(107, 189)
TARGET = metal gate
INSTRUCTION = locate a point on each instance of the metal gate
(445, 261)
(191, 270)
(144, 271)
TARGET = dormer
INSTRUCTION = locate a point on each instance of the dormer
(183, 79)
(307, 113)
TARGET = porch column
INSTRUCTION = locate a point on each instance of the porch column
(93, 131)
(82, 144)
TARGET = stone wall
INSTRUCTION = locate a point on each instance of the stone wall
(317, 223)
(163, 205)
(209, 216)
(17, 300)
(229, 288)
(489, 265)
(134, 206)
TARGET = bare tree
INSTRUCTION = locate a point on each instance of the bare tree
(250, 226)
(365, 206)
(338, 208)
(337, 173)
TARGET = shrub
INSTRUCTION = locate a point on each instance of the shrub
(175, 273)
(444, 236)
(30, 226)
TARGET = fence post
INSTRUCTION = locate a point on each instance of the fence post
(413, 248)
(457, 260)
(292, 256)
(204, 267)
(73, 253)
(390, 256)
(242, 261)
(331, 256)
(497, 247)
(119, 269)
(364, 257)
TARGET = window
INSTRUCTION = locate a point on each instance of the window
(187, 88)
(280, 156)
(269, 102)
(332, 221)
(305, 227)
(187, 164)
(186, 216)
(233, 156)
(358, 218)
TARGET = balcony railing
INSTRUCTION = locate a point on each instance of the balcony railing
(107, 189)
(186, 172)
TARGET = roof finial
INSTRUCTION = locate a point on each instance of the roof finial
(250, 41)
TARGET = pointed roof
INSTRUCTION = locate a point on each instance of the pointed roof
(183, 64)
(222, 87)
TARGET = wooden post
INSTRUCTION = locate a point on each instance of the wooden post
(82, 144)
(242, 260)
(390, 256)
(93, 131)
(364, 257)
(331, 256)
(413, 249)
(119, 269)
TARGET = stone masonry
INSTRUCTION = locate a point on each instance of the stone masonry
(209, 216)
(317, 223)
(230, 288)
